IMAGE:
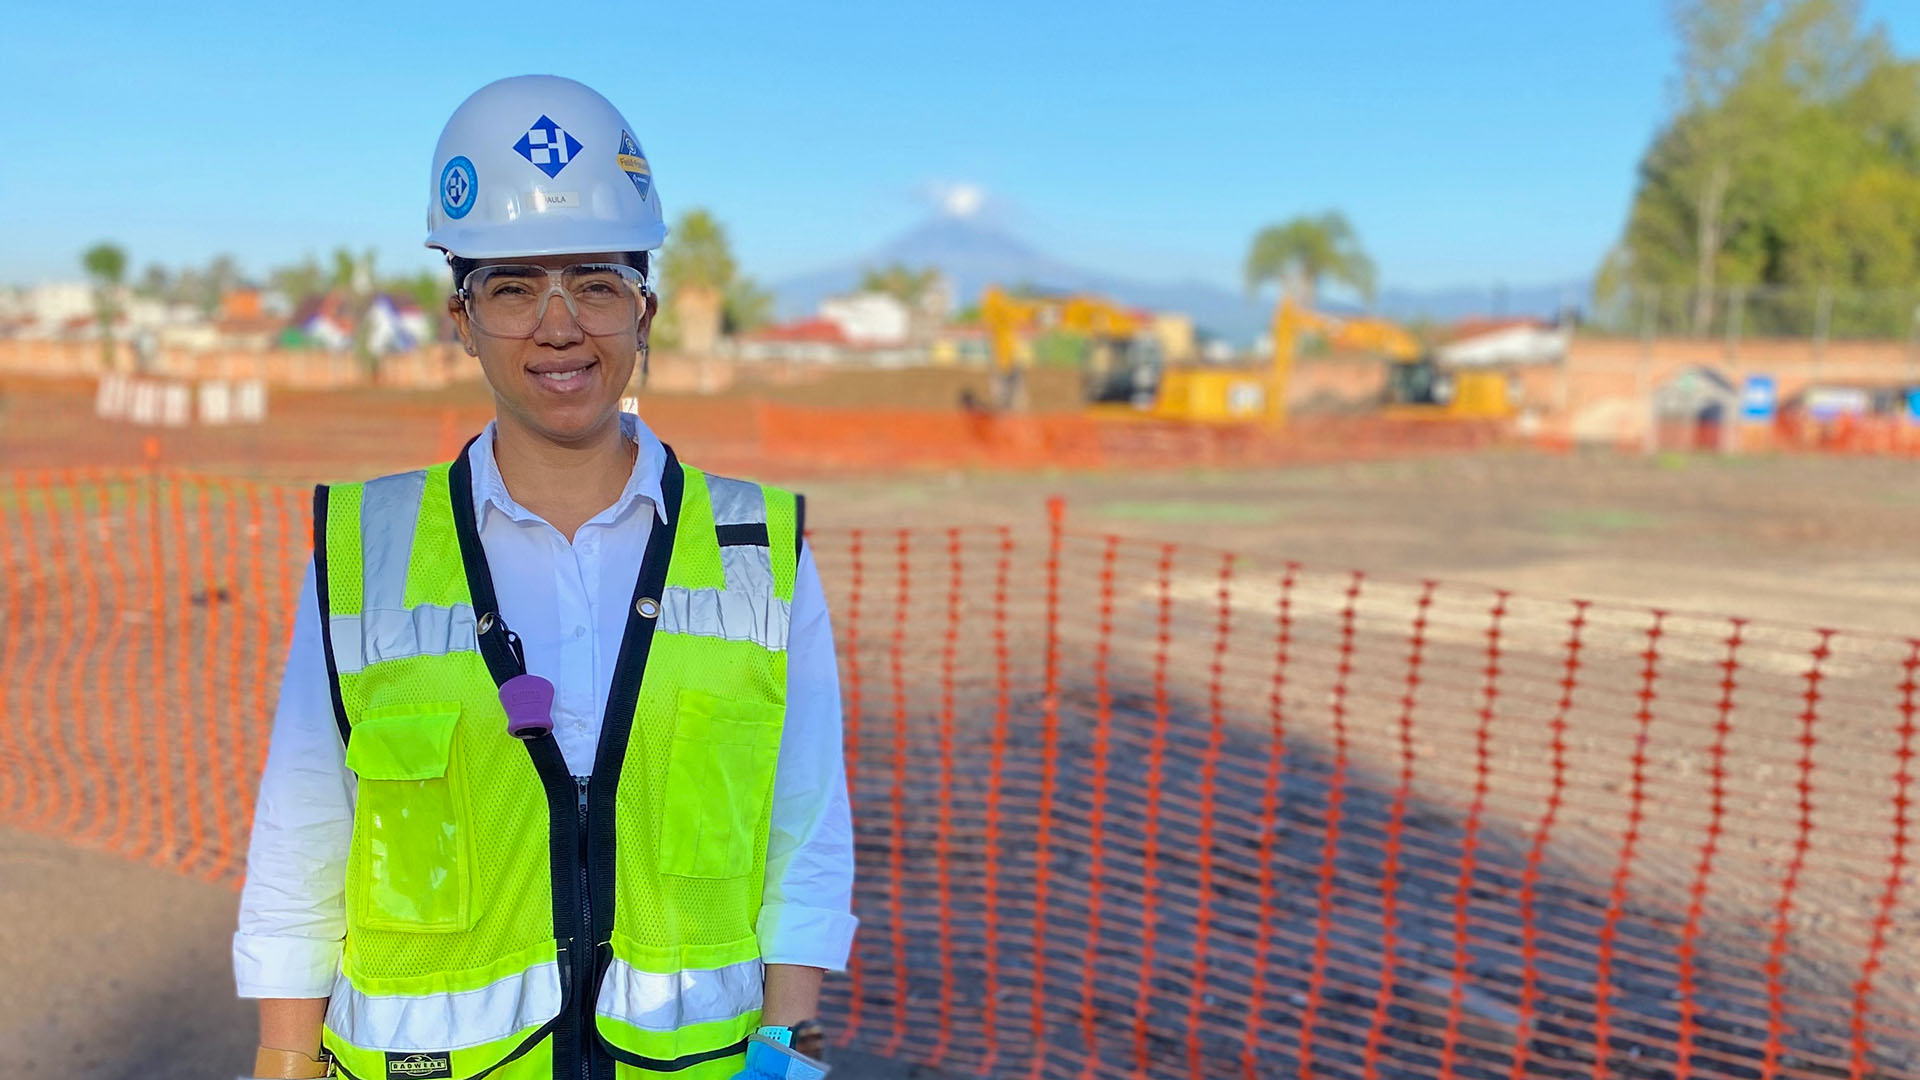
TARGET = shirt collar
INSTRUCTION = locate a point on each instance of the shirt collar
(490, 490)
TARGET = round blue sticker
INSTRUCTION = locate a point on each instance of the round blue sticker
(459, 184)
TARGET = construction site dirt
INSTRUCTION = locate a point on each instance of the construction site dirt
(1113, 678)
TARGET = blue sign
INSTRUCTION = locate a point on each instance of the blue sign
(1759, 398)
(1913, 405)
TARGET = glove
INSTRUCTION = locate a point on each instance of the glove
(768, 1060)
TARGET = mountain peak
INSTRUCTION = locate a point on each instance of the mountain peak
(939, 240)
(973, 255)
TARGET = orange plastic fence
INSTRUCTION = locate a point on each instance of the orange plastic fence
(1127, 809)
(320, 435)
(1850, 435)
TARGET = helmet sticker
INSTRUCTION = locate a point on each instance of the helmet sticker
(458, 186)
(633, 162)
(548, 146)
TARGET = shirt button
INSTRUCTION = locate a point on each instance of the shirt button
(579, 632)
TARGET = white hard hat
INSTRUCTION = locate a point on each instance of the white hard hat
(540, 165)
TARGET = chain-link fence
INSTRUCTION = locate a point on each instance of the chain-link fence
(1761, 312)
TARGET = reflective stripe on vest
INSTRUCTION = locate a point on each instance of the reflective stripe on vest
(451, 948)
(454, 1021)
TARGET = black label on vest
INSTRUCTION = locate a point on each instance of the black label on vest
(420, 1065)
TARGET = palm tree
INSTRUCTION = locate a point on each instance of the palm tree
(697, 269)
(901, 282)
(106, 264)
(1301, 253)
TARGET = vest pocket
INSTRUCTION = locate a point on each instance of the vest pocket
(719, 784)
(410, 842)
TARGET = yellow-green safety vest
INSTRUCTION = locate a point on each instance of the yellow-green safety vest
(504, 920)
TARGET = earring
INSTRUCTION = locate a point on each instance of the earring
(643, 362)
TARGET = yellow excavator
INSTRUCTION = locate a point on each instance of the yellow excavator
(1113, 333)
(1123, 367)
(1417, 388)
(1260, 395)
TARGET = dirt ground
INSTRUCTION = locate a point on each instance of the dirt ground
(96, 944)
(1827, 540)
(1817, 540)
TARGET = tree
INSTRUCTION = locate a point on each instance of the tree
(901, 282)
(1303, 252)
(298, 281)
(426, 288)
(345, 269)
(747, 306)
(1717, 41)
(696, 269)
(106, 264)
(155, 282)
(1791, 166)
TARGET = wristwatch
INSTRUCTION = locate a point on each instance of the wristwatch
(808, 1037)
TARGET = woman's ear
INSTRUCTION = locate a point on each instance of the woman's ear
(461, 324)
(648, 309)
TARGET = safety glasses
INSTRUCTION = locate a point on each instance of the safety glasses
(509, 300)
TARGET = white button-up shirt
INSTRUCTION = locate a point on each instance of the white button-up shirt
(568, 603)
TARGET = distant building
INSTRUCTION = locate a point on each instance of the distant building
(50, 310)
(869, 319)
(396, 324)
(334, 321)
(1502, 342)
(1174, 332)
(325, 321)
(813, 341)
(962, 345)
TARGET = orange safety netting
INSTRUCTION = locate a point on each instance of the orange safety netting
(1127, 808)
(308, 435)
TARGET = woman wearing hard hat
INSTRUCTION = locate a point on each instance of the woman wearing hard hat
(555, 786)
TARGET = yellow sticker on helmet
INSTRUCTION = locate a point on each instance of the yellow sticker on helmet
(633, 162)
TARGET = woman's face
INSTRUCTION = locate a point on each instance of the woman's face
(561, 384)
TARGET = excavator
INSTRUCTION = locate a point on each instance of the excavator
(1114, 334)
(1249, 394)
(1122, 367)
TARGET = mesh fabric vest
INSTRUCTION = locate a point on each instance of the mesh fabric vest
(503, 920)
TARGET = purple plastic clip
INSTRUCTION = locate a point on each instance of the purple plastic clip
(529, 703)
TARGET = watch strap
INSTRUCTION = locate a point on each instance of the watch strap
(779, 1033)
(270, 1063)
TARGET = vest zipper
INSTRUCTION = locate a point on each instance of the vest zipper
(589, 1033)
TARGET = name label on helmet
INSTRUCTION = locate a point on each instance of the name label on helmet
(556, 200)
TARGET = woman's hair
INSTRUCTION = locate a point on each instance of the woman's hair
(462, 267)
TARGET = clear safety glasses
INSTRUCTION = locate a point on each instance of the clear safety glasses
(510, 299)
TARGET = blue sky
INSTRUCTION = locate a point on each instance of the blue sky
(1471, 142)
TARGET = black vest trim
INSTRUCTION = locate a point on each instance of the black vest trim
(577, 860)
(617, 726)
(799, 525)
(562, 828)
(326, 610)
(626, 1057)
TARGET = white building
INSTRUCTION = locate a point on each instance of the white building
(49, 309)
(869, 319)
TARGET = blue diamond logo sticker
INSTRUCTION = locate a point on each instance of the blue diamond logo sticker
(548, 146)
